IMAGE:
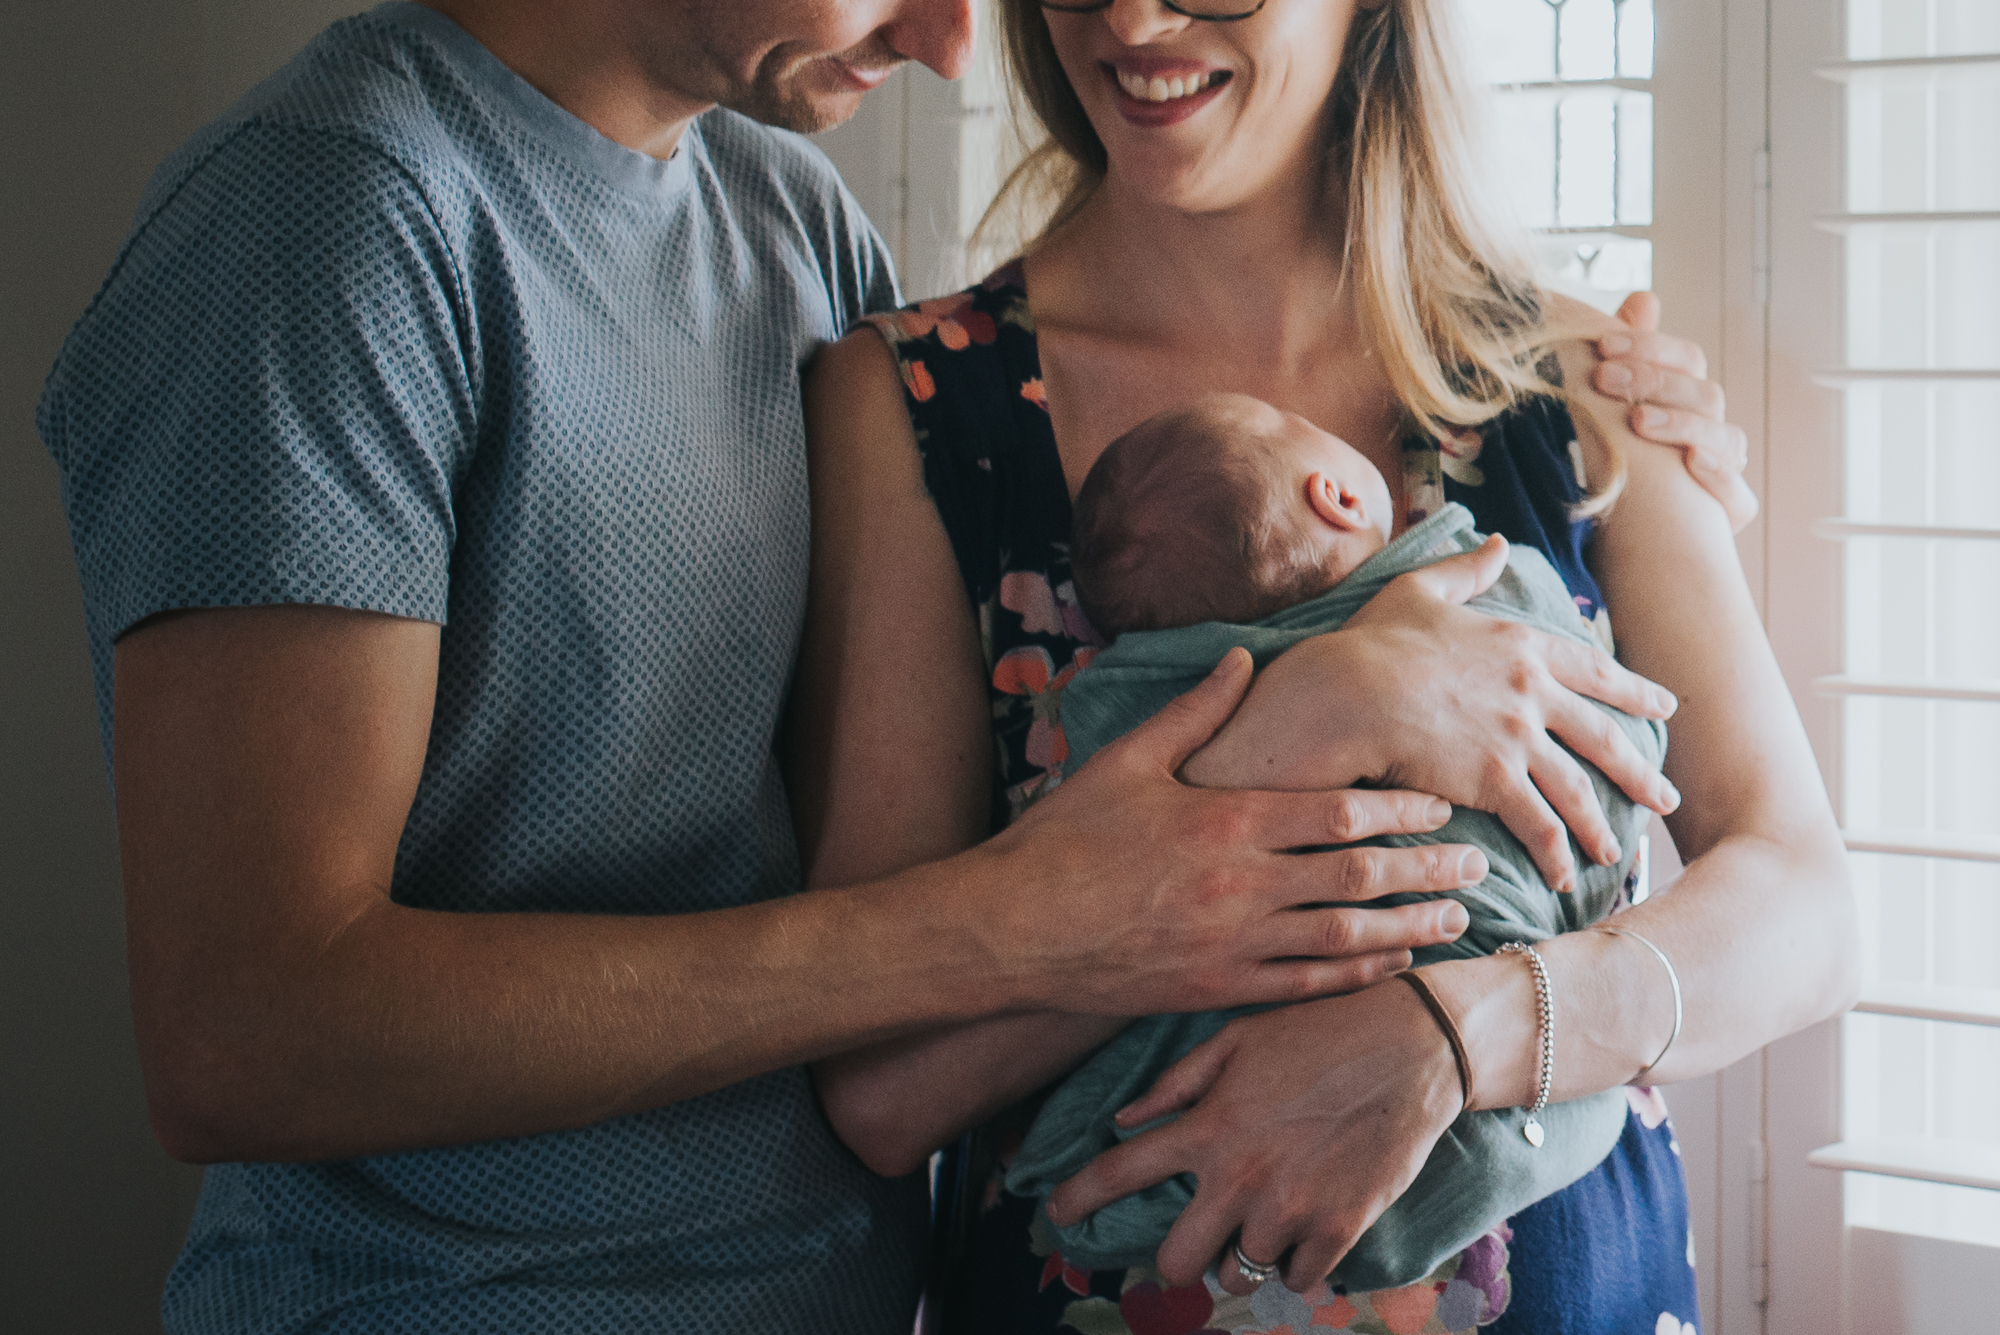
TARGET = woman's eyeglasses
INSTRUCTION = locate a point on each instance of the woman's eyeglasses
(1209, 11)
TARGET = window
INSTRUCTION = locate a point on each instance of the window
(1574, 128)
(1920, 687)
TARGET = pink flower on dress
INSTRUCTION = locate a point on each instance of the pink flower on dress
(1648, 1103)
(1047, 609)
(1028, 670)
(1028, 593)
(956, 325)
(1032, 391)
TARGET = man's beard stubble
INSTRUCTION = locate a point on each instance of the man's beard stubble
(774, 97)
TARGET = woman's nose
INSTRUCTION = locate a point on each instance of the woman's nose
(1137, 22)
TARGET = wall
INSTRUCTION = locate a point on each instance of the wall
(93, 93)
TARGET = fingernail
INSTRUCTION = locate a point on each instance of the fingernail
(1652, 418)
(1671, 794)
(1614, 378)
(1472, 867)
(1615, 345)
(1666, 702)
(1609, 853)
(1438, 812)
(1454, 920)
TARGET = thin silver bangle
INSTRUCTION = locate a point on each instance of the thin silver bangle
(1545, 1017)
(1672, 977)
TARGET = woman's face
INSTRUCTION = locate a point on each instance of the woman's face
(1204, 116)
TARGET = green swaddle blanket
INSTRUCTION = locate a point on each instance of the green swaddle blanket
(1482, 1169)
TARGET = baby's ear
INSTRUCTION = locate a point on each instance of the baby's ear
(1337, 503)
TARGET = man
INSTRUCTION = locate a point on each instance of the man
(434, 461)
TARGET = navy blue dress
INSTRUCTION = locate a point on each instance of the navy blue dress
(1610, 1253)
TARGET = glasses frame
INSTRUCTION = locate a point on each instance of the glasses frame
(1100, 5)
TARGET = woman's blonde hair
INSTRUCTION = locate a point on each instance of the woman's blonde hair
(1443, 282)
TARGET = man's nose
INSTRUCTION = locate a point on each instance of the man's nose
(937, 33)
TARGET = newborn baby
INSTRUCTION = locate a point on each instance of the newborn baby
(1230, 523)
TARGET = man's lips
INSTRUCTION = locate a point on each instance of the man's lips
(861, 78)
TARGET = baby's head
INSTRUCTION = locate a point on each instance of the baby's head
(1226, 509)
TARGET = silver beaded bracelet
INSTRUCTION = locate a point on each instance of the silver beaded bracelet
(1545, 1018)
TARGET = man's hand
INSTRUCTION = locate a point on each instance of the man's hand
(288, 1008)
(1665, 380)
(1196, 898)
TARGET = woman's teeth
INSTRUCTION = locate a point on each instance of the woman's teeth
(1165, 90)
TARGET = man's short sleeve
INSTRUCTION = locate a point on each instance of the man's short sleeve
(272, 395)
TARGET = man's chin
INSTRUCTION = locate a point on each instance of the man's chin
(800, 112)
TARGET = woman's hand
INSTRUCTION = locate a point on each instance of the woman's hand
(1671, 401)
(1417, 692)
(1301, 1125)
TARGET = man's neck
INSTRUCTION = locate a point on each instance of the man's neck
(587, 61)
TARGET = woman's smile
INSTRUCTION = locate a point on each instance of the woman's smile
(1155, 92)
(1147, 78)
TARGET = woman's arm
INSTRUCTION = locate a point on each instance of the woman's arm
(889, 765)
(1759, 926)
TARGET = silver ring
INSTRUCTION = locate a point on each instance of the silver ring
(1252, 1271)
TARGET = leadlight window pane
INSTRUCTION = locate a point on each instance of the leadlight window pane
(1573, 131)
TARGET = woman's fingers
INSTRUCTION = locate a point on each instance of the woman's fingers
(1716, 453)
(1663, 387)
(1588, 670)
(1522, 809)
(1569, 790)
(1315, 1255)
(1182, 1083)
(1590, 733)
(1203, 1236)
(1115, 1174)
(1649, 347)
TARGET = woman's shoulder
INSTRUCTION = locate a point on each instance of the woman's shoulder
(953, 346)
(972, 383)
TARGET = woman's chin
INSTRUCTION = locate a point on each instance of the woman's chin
(1156, 181)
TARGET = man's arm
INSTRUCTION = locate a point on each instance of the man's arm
(287, 1008)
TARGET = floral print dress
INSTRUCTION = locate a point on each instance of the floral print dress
(1612, 1254)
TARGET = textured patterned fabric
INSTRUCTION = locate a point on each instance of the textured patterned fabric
(1610, 1252)
(397, 333)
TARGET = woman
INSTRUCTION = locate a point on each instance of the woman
(1279, 203)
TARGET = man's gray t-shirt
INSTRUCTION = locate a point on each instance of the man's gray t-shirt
(397, 333)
